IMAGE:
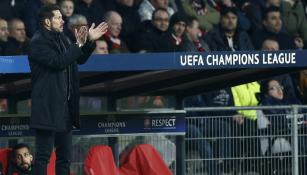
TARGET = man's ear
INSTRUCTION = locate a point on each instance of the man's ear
(31, 158)
(47, 22)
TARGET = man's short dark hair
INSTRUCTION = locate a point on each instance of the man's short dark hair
(178, 17)
(272, 38)
(156, 10)
(269, 10)
(190, 20)
(225, 10)
(19, 146)
(45, 12)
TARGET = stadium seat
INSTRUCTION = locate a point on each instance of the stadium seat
(5, 154)
(100, 161)
(51, 164)
(143, 159)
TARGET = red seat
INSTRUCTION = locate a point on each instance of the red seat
(100, 161)
(51, 164)
(5, 155)
(143, 159)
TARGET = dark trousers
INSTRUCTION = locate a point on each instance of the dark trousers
(46, 140)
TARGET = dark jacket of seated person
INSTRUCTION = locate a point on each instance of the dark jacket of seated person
(21, 162)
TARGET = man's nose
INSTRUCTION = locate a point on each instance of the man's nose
(22, 159)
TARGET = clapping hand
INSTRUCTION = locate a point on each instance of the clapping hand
(96, 32)
(81, 35)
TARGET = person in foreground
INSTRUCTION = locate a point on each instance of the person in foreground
(21, 162)
(55, 86)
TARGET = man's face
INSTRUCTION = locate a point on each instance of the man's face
(179, 28)
(23, 158)
(273, 2)
(4, 32)
(3, 105)
(159, 3)
(115, 24)
(193, 31)
(57, 23)
(229, 22)
(18, 31)
(161, 20)
(270, 45)
(273, 22)
(101, 47)
(67, 8)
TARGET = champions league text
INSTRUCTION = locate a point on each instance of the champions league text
(233, 59)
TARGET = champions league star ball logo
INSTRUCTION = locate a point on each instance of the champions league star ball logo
(147, 123)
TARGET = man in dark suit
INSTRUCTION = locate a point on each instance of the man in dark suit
(55, 86)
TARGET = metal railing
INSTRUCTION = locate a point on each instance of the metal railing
(272, 144)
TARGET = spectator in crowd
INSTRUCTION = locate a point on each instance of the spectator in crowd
(75, 22)
(272, 28)
(115, 44)
(243, 21)
(302, 85)
(199, 130)
(4, 33)
(18, 43)
(91, 9)
(227, 36)
(21, 163)
(245, 121)
(286, 80)
(254, 10)
(147, 7)
(30, 15)
(3, 105)
(177, 27)
(245, 95)
(294, 18)
(53, 62)
(101, 47)
(219, 126)
(206, 15)
(131, 22)
(155, 36)
(270, 44)
(292, 14)
(192, 40)
(272, 93)
(67, 10)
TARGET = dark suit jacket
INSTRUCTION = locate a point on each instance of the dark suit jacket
(217, 40)
(14, 170)
(47, 63)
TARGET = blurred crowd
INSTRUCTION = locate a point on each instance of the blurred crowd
(172, 26)
(164, 25)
